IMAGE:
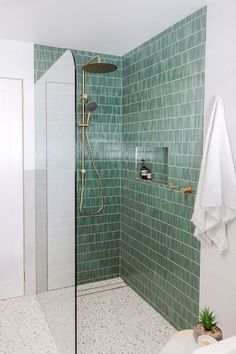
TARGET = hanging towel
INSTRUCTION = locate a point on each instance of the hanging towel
(215, 203)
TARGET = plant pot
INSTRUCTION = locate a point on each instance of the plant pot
(199, 330)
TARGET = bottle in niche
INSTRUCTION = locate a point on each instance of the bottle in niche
(144, 170)
(149, 174)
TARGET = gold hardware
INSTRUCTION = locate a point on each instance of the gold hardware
(186, 190)
(85, 138)
(83, 125)
(171, 186)
(84, 96)
(99, 69)
(96, 57)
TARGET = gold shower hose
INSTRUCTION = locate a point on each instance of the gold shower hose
(82, 211)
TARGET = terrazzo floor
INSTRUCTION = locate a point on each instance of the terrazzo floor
(23, 327)
(112, 319)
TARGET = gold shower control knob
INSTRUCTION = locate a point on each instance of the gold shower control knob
(186, 190)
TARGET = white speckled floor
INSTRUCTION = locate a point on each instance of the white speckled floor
(112, 319)
(23, 328)
(115, 321)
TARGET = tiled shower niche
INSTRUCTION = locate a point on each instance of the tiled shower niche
(156, 159)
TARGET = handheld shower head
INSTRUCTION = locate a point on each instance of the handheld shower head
(91, 106)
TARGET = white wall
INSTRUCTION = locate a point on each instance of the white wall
(17, 61)
(218, 278)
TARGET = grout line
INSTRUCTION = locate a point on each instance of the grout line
(98, 260)
(160, 255)
(127, 87)
(95, 242)
(167, 83)
(165, 130)
(160, 119)
(104, 278)
(156, 163)
(157, 220)
(95, 269)
(102, 223)
(180, 291)
(162, 233)
(156, 208)
(79, 253)
(156, 295)
(186, 90)
(165, 107)
(139, 292)
(158, 264)
(156, 64)
(104, 232)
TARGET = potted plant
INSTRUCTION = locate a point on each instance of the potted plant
(207, 325)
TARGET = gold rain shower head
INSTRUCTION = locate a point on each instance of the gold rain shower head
(98, 67)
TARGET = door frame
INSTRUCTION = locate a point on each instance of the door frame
(23, 176)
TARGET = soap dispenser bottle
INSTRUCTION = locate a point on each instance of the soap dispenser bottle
(144, 170)
(149, 174)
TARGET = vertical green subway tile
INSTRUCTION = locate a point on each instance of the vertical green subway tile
(163, 90)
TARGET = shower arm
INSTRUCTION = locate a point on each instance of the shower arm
(96, 57)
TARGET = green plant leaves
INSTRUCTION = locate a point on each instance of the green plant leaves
(207, 318)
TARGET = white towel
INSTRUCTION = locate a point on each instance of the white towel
(215, 203)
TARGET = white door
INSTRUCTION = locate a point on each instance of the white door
(11, 189)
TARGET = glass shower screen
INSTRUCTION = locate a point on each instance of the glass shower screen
(55, 200)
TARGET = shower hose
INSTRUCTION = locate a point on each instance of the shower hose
(82, 210)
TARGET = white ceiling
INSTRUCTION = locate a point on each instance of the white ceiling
(106, 26)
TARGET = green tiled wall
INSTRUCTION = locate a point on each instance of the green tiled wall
(144, 233)
(99, 236)
(163, 93)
